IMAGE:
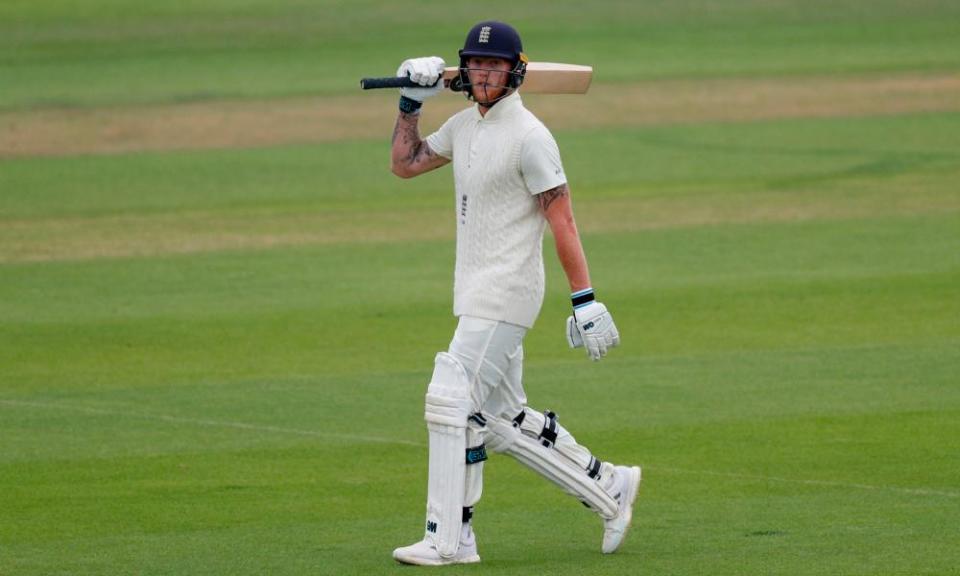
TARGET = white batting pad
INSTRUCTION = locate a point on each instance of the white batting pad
(446, 412)
(564, 462)
(474, 472)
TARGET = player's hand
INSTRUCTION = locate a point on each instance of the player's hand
(426, 72)
(592, 327)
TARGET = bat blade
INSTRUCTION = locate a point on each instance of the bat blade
(556, 78)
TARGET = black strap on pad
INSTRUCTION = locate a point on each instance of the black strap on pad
(548, 436)
(551, 428)
(593, 470)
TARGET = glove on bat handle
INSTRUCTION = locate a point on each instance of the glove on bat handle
(399, 82)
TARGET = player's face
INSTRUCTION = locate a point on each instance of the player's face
(488, 77)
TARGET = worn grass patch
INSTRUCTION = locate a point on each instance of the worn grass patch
(61, 209)
(256, 123)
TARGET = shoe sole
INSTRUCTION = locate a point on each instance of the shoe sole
(432, 562)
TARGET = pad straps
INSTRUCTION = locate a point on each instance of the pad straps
(551, 427)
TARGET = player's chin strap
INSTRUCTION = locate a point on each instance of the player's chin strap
(489, 103)
(459, 85)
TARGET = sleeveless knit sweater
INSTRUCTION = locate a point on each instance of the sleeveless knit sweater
(500, 162)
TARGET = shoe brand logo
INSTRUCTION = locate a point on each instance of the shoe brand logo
(431, 527)
(484, 35)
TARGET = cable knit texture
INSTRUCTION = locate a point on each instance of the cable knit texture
(500, 161)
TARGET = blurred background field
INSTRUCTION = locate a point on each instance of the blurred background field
(218, 309)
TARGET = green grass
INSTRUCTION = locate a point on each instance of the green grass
(787, 292)
(120, 52)
(790, 387)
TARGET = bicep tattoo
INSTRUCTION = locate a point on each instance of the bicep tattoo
(548, 197)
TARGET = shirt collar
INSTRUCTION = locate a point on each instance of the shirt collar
(502, 108)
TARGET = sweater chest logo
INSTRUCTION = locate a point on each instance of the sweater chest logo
(463, 209)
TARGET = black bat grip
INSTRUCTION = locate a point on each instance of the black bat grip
(403, 82)
(388, 82)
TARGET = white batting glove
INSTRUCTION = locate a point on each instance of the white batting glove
(426, 72)
(591, 326)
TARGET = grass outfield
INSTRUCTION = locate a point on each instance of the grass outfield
(212, 359)
(61, 52)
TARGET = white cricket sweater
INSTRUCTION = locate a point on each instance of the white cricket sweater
(500, 162)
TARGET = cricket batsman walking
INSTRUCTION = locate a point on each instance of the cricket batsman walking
(509, 184)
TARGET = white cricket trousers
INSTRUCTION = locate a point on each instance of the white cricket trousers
(491, 353)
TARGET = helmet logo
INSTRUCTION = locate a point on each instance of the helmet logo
(484, 35)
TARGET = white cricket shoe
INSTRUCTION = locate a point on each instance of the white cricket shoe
(424, 553)
(616, 528)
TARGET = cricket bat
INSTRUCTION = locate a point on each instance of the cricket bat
(541, 78)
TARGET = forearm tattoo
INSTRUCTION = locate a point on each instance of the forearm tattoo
(548, 197)
(409, 137)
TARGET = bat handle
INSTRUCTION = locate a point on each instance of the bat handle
(387, 82)
(401, 82)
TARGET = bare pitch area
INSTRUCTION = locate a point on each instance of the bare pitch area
(255, 123)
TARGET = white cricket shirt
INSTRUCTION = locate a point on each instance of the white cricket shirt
(501, 161)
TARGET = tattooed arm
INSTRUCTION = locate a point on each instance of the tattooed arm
(410, 155)
(556, 207)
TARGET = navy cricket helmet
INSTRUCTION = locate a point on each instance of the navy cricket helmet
(494, 39)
